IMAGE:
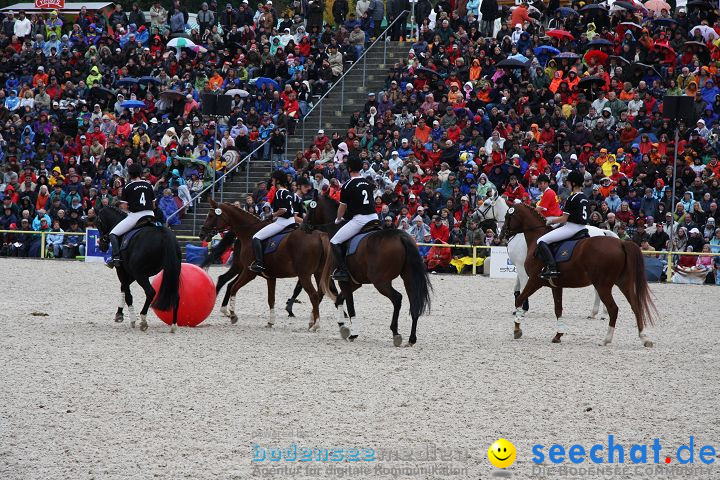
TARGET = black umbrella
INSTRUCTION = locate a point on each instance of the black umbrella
(590, 82)
(599, 42)
(99, 92)
(512, 63)
(665, 21)
(428, 71)
(593, 7)
(695, 44)
(626, 5)
(645, 66)
(622, 59)
(700, 4)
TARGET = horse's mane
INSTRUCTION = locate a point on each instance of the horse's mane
(243, 211)
(535, 213)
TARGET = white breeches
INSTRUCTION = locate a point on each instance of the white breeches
(127, 223)
(352, 228)
(561, 233)
(274, 228)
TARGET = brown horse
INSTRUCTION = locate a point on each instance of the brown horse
(380, 257)
(598, 261)
(300, 254)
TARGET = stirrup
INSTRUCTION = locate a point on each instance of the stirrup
(340, 275)
(549, 272)
(257, 267)
(112, 263)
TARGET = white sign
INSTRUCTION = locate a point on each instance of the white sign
(500, 264)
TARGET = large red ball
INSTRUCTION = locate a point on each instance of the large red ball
(197, 296)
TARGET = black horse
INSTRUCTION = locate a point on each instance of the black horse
(151, 250)
(213, 256)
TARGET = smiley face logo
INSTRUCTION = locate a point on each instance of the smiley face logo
(502, 453)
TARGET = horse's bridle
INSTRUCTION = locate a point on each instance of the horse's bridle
(511, 233)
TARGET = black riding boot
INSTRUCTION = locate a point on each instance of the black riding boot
(340, 274)
(257, 266)
(546, 255)
(114, 261)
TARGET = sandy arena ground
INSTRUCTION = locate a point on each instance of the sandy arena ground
(83, 397)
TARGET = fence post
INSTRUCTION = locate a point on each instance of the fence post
(474, 269)
(42, 245)
(669, 267)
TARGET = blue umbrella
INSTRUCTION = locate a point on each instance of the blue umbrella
(149, 79)
(564, 11)
(132, 104)
(260, 81)
(546, 50)
(127, 81)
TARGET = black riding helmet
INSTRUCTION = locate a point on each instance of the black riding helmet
(576, 178)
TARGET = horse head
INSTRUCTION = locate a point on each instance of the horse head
(321, 212)
(521, 218)
(216, 220)
(107, 218)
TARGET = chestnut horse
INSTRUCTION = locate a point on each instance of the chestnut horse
(598, 261)
(380, 257)
(300, 254)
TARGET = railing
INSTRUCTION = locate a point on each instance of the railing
(341, 81)
(43, 247)
(221, 188)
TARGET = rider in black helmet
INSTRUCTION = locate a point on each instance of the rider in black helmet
(283, 215)
(575, 216)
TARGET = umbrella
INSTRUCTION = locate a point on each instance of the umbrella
(622, 59)
(560, 34)
(707, 33)
(568, 55)
(665, 21)
(132, 104)
(512, 63)
(600, 57)
(238, 91)
(198, 49)
(546, 50)
(180, 35)
(126, 81)
(181, 42)
(626, 6)
(564, 11)
(260, 81)
(593, 6)
(148, 80)
(101, 92)
(657, 5)
(646, 67)
(629, 25)
(695, 44)
(171, 95)
(665, 49)
(428, 71)
(599, 42)
(590, 82)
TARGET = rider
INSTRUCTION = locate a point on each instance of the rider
(548, 206)
(138, 197)
(358, 207)
(575, 214)
(283, 213)
(303, 187)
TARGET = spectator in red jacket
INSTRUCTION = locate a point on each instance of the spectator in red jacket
(439, 230)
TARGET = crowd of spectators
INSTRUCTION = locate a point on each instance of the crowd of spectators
(68, 133)
(453, 125)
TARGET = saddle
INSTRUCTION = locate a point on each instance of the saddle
(271, 244)
(563, 251)
(148, 221)
(367, 229)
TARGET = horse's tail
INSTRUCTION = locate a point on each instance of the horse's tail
(420, 286)
(169, 294)
(637, 286)
(327, 268)
(217, 251)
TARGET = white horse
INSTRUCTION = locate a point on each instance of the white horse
(492, 209)
(517, 247)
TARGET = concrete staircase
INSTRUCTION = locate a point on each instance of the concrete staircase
(336, 111)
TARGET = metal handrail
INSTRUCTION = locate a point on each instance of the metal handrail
(218, 180)
(341, 80)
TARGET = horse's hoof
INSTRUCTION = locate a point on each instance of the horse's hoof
(233, 319)
(119, 318)
(408, 344)
(132, 324)
(290, 313)
(648, 344)
(315, 326)
(352, 338)
(269, 325)
(225, 312)
(397, 340)
(590, 317)
(517, 334)
(556, 339)
(344, 332)
(143, 327)
(173, 329)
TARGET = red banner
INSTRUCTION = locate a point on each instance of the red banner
(50, 4)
